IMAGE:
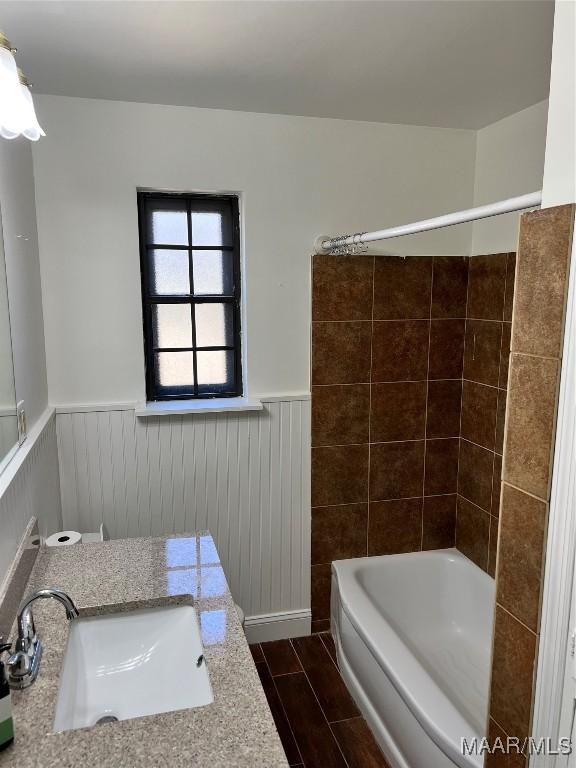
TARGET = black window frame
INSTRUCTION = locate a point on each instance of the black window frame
(231, 204)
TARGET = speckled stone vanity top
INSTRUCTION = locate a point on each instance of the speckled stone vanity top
(237, 729)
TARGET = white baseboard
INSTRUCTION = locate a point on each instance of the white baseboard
(277, 626)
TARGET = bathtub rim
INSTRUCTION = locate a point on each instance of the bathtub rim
(413, 683)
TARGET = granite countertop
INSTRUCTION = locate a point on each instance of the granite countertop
(237, 729)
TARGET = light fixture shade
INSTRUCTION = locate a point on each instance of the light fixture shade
(12, 112)
(17, 113)
(33, 129)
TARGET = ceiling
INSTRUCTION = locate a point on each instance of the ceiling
(459, 64)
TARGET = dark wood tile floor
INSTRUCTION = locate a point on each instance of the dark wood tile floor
(318, 722)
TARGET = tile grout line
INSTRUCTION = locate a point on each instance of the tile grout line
(486, 512)
(513, 616)
(318, 702)
(325, 646)
(414, 319)
(410, 440)
(287, 674)
(391, 381)
(397, 498)
(370, 409)
(491, 522)
(420, 381)
(471, 442)
(432, 265)
(556, 358)
(283, 708)
(522, 490)
(491, 525)
(490, 533)
(336, 665)
(389, 442)
(483, 384)
(468, 264)
(347, 720)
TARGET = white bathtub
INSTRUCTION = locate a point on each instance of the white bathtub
(413, 634)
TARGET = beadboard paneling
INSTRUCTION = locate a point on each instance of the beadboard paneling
(243, 476)
(33, 491)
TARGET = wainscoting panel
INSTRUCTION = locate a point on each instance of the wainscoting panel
(29, 488)
(243, 476)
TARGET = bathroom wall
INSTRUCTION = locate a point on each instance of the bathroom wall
(509, 162)
(387, 351)
(30, 485)
(485, 377)
(23, 274)
(8, 423)
(290, 173)
(544, 255)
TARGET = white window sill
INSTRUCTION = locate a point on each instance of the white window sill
(209, 405)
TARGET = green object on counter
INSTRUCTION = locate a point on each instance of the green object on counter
(6, 733)
(6, 723)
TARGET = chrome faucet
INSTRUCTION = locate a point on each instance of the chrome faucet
(24, 663)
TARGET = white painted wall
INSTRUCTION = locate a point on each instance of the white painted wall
(560, 164)
(29, 486)
(7, 390)
(23, 274)
(299, 177)
(8, 422)
(509, 162)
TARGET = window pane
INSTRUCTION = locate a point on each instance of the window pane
(213, 273)
(190, 265)
(214, 325)
(168, 222)
(211, 224)
(170, 272)
(175, 369)
(215, 372)
(172, 325)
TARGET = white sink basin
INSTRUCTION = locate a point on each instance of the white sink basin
(126, 665)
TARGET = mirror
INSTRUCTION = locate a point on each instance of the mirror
(8, 418)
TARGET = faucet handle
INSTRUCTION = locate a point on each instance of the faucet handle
(18, 664)
(4, 646)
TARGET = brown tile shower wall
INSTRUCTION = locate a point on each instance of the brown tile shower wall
(387, 356)
(537, 335)
(485, 377)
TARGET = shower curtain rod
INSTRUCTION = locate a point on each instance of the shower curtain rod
(326, 244)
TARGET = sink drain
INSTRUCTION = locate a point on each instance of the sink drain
(107, 719)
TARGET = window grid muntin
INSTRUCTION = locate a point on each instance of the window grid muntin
(228, 205)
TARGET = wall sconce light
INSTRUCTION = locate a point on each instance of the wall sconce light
(17, 113)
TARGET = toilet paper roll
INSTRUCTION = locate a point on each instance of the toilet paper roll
(63, 539)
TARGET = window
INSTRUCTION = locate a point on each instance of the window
(190, 265)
